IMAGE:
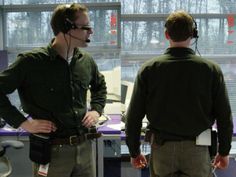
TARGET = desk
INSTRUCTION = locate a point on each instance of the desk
(108, 134)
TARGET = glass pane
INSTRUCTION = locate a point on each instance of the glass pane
(167, 6)
(28, 29)
(105, 27)
(53, 1)
(143, 36)
(215, 36)
(229, 70)
(32, 29)
(25, 30)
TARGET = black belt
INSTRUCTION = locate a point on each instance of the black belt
(160, 139)
(75, 139)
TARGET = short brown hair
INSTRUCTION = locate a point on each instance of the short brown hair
(64, 14)
(180, 26)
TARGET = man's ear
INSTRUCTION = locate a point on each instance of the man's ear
(167, 35)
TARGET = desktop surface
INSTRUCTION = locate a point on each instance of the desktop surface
(110, 127)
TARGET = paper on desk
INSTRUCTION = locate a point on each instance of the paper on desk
(9, 128)
(102, 120)
(116, 126)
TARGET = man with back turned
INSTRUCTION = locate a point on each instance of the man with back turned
(182, 95)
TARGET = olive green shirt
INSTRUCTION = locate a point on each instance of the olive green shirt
(51, 88)
(182, 95)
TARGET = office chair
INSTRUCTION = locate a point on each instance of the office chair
(5, 164)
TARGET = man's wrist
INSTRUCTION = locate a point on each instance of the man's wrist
(134, 155)
(25, 124)
(97, 113)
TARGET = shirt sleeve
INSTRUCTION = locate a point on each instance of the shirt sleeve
(222, 113)
(98, 90)
(135, 114)
(10, 80)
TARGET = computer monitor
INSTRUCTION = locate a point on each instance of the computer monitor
(112, 78)
(124, 89)
(126, 93)
(3, 60)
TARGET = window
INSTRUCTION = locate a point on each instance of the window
(7, 2)
(26, 25)
(142, 34)
(127, 32)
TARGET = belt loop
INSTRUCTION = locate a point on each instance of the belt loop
(86, 136)
(148, 134)
(152, 139)
(153, 142)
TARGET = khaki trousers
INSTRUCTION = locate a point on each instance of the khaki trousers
(70, 161)
(180, 159)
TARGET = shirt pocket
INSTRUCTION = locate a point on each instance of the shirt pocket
(81, 88)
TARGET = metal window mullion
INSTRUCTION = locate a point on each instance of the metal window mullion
(1, 30)
(4, 29)
(119, 28)
(50, 7)
(156, 17)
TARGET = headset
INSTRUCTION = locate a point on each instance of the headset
(68, 24)
(195, 30)
(195, 35)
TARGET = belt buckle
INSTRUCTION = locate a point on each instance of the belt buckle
(71, 140)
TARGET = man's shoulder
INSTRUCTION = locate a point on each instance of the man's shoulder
(207, 62)
(152, 63)
(155, 60)
(84, 56)
(36, 53)
(83, 53)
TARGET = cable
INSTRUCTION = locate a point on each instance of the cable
(68, 46)
(196, 47)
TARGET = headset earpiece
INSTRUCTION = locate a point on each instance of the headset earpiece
(195, 30)
(68, 24)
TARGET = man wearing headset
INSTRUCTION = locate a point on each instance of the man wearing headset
(52, 83)
(182, 95)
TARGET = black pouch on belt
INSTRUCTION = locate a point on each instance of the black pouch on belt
(40, 149)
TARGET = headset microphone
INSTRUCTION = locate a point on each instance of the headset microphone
(86, 40)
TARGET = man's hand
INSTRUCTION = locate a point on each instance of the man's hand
(221, 162)
(139, 162)
(90, 119)
(38, 126)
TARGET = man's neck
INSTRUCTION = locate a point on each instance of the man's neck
(62, 48)
(184, 44)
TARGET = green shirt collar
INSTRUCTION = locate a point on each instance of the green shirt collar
(53, 53)
(179, 51)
